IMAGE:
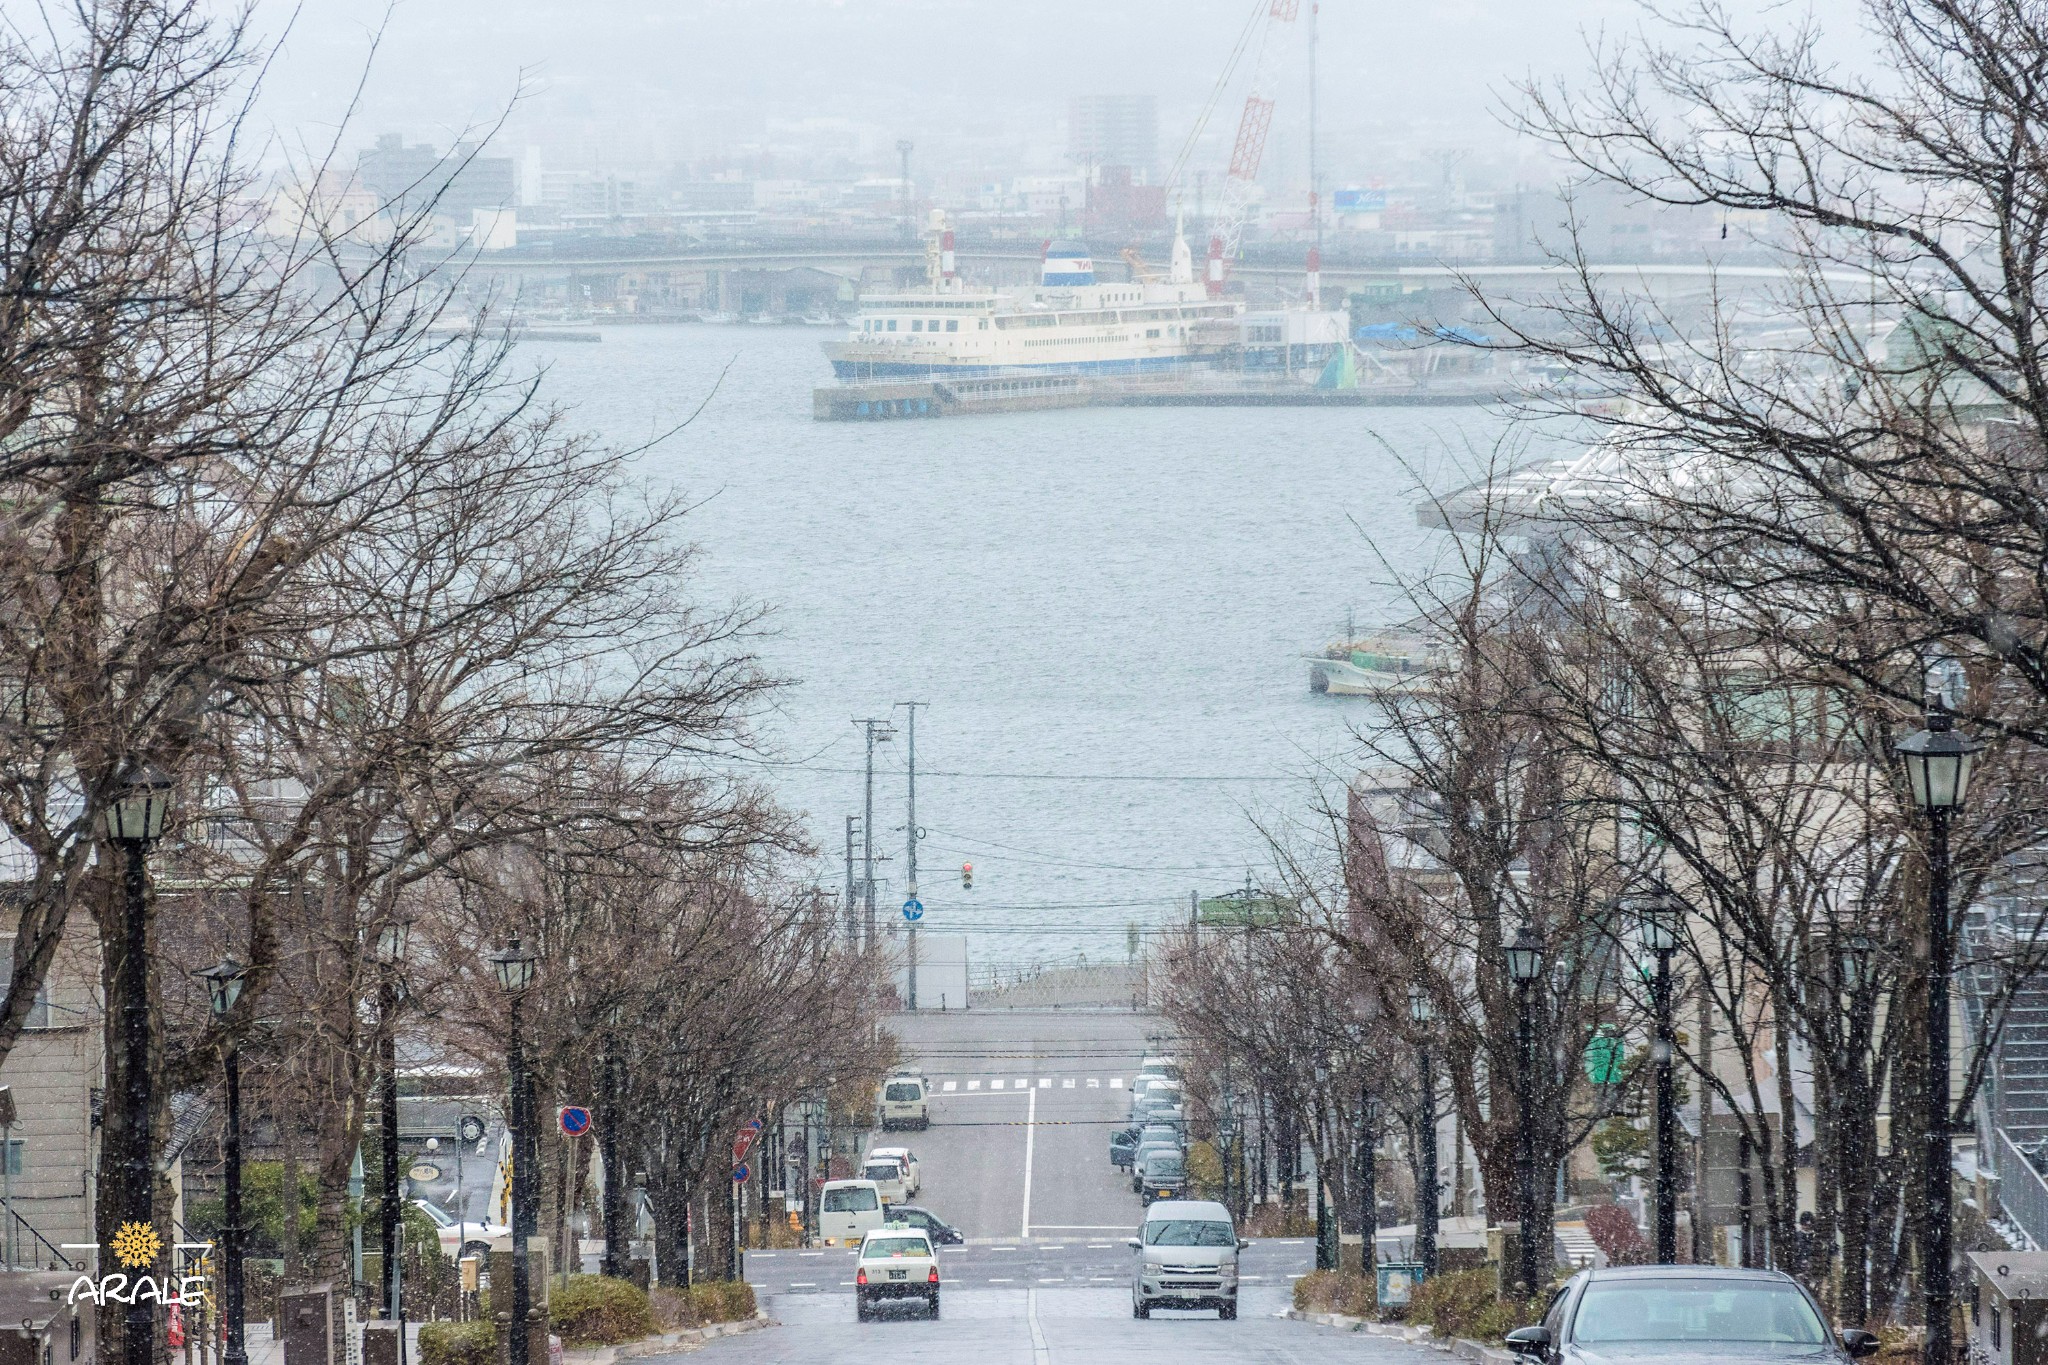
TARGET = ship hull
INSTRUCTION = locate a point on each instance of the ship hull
(855, 370)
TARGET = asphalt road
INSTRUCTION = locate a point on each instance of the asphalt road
(1023, 1169)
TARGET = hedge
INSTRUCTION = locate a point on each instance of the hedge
(593, 1310)
(458, 1343)
(722, 1301)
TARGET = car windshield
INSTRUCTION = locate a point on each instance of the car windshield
(1188, 1232)
(440, 1215)
(896, 1246)
(903, 1090)
(1703, 1311)
(1165, 1164)
(851, 1199)
(882, 1170)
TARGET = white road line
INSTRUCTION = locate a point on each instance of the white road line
(1116, 1082)
(1068, 1084)
(1002, 1281)
(1100, 1246)
(955, 1085)
(1095, 1082)
(810, 1253)
(1045, 1082)
(1023, 1084)
(1111, 1278)
(1052, 1279)
(808, 1284)
(769, 1255)
(1030, 1134)
(974, 1085)
(995, 1085)
(1040, 1353)
(1052, 1246)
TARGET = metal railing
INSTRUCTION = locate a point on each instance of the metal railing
(2022, 1193)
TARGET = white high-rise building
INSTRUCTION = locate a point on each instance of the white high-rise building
(1115, 130)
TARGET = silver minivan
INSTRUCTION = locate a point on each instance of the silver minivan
(1187, 1258)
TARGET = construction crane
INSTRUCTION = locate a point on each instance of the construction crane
(1249, 150)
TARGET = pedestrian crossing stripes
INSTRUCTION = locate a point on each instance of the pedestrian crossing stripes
(1011, 1085)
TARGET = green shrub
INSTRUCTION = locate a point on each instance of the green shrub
(1462, 1304)
(458, 1343)
(1330, 1291)
(592, 1310)
(722, 1301)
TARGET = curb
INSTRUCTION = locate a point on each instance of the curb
(1462, 1347)
(668, 1343)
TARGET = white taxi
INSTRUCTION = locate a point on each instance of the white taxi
(896, 1262)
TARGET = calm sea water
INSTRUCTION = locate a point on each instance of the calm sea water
(1106, 609)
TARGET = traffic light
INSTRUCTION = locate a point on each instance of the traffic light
(967, 876)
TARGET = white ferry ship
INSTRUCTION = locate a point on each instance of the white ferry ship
(1068, 323)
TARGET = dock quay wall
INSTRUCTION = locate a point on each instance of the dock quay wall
(899, 400)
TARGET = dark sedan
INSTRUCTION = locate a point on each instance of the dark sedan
(1623, 1314)
(930, 1224)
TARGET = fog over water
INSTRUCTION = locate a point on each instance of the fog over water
(1106, 608)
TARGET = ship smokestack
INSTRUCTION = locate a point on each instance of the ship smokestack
(1315, 278)
(946, 270)
(1215, 267)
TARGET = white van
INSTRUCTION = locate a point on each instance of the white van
(903, 1103)
(848, 1210)
(887, 1175)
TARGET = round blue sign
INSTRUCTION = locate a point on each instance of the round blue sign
(575, 1120)
(913, 910)
(740, 1173)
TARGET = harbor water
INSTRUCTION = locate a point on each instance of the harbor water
(1106, 608)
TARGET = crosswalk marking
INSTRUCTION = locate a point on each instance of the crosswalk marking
(1116, 1082)
(995, 1085)
(1045, 1082)
(955, 1085)
(1023, 1084)
(1068, 1084)
(1095, 1082)
(974, 1085)
(1005, 1083)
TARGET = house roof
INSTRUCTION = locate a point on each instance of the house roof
(2014, 1274)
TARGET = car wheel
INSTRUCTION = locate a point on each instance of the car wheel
(934, 1301)
(1140, 1309)
(1227, 1311)
(861, 1311)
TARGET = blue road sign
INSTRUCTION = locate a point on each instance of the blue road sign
(575, 1120)
(913, 910)
(740, 1174)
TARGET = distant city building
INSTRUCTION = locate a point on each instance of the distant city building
(461, 181)
(701, 195)
(1115, 130)
(587, 194)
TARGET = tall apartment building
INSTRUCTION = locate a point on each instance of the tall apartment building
(1115, 130)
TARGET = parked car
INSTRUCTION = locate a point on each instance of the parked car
(459, 1238)
(1122, 1143)
(1655, 1312)
(847, 1211)
(1144, 1152)
(1163, 1176)
(1165, 1068)
(886, 1174)
(941, 1232)
(913, 1180)
(1187, 1258)
(905, 1103)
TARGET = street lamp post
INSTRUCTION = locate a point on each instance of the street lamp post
(514, 968)
(223, 987)
(1369, 1114)
(1939, 763)
(608, 1139)
(1658, 917)
(1324, 1260)
(1525, 965)
(1422, 1011)
(135, 821)
(392, 942)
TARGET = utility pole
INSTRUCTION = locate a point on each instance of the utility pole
(878, 732)
(852, 922)
(910, 840)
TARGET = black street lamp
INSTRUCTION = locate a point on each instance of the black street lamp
(1939, 763)
(1525, 965)
(1324, 1260)
(1368, 1181)
(224, 987)
(608, 1147)
(1659, 916)
(1422, 1012)
(135, 821)
(392, 943)
(514, 968)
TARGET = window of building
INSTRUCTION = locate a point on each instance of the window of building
(1976, 1294)
(1997, 1329)
(13, 1156)
(892, 324)
(77, 1335)
(1152, 334)
(984, 324)
(917, 324)
(953, 325)
(39, 1011)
